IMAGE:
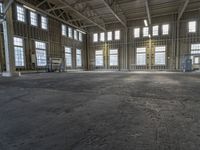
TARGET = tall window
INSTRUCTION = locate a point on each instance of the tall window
(80, 36)
(192, 26)
(19, 52)
(113, 57)
(70, 32)
(64, 30)
(75, 35)
(141, 56)
(136, 32)
(95, 37)
(20, 13)
(160, 55)
(1, 8)
(196, 60)
(41, 55)
(99, 58)
(155, 30)
(102, 37)
(34, 19)
(117, 35)
(78, 58)
(109, 36)
(44, 22)
(165, 29)
(68, 57)
(195, 50)
(145, 31)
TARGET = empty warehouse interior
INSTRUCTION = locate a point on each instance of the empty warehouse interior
(100, 35)
(99, 74)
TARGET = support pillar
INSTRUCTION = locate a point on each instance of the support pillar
(8, 32)
(150, 53)
(177, 45)
(126, 66)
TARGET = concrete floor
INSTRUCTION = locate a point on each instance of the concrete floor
(100, 111)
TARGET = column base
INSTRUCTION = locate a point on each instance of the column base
(10, 74)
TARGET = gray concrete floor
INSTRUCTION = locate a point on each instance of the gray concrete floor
(100, 111)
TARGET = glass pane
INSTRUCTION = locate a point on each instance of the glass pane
(109, 36)
(99, 58)
(102, 37)
(18, 41)
(64, 30)
(78, 58)
(68, 58)
(165, 29)
(155, 30)
(141, 59)
(80, 36)
(75, 35)
(192, 26)
(33, 17)
(113, 57)
(160, 49)
(141, 56)
(70, 32)
(117, 35)
(19, 56)
(137, 32)
(145, 31)
(40, 45)
(95, 37)
(20, 13)
(44, 22)
(113, 51)
(113, 60)
(160, 58)
(41, 57)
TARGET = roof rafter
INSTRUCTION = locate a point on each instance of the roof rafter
(49, 14)
(5, 10)
(148, 11)
(56, 8)
(81, 15)
(115, 14)
(41, 3)
(182, 10)
(8, 6)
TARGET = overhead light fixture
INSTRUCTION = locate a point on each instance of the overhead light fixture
(149, 35)
(145, 23)
(81, 31)
(29, 8)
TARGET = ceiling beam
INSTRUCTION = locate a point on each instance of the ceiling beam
(148, 11)
(8, 6)
(48, 14)
(41, 3)
(182, 10)
(50, 6)
(56, 8)
(91, 25)
(83, 16)
(61, 13)
(114, 13)
(5, 10)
